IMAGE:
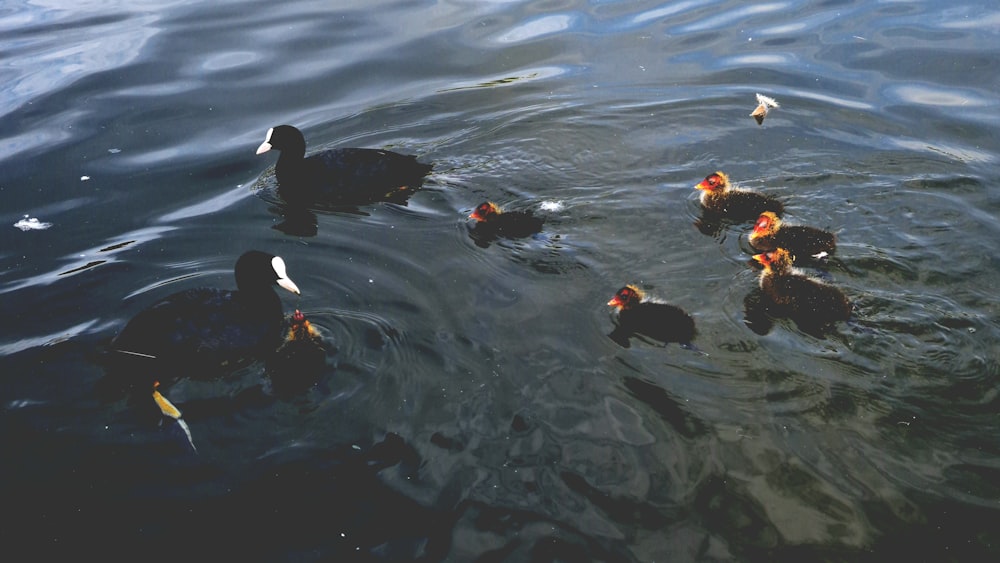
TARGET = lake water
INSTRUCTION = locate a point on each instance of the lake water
(473, 406)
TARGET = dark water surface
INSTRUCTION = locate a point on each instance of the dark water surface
(474, 407)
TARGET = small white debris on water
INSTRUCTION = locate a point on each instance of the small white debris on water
(31, 224)
(767, 101)
(84, 178)
(114, 151)
(552, 206)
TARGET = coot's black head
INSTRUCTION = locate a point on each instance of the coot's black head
(257, 270)
(284, 138)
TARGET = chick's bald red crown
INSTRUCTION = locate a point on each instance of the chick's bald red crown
(626, 297)
(714, 182)
(484, 211)
(766, 224)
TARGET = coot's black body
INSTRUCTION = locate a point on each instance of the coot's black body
(344, 176)
(197, 332)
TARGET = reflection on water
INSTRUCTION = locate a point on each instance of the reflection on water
(471, 405)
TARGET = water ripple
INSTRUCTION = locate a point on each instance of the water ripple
(538, 27)
(936, 95)
(54, 47)
(721, 20)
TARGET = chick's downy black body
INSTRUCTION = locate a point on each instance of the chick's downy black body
(812, 304)
(342, 176)
(720, 198)
(659, 321)
(770, 233)
(509, 224)
(300, 360)
(493, 223)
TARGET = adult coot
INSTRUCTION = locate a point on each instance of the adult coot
(198, 332)
(346, 176)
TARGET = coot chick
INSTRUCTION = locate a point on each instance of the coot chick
(346, 176)
(770, 233)
(812, 304)
(493, 223)
(300, 360)
(508, 224)
(721, 198)
(199, 331)
(648, 317)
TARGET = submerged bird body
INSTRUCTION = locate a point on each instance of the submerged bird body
(301, 358)
(301, 329)
(770, 233)
(344, 176)
(198, 331)
(491, 220)
(659, 321)
(809, 302)
(718, 196)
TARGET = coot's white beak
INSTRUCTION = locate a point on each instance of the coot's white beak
(266, 145)
(289, 285)
(283, 280)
